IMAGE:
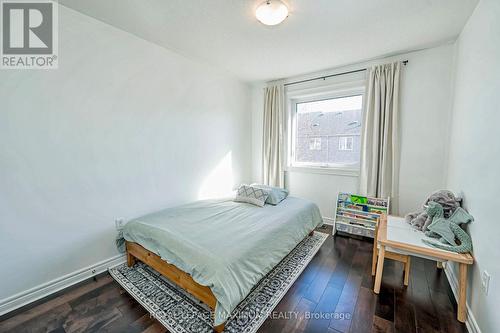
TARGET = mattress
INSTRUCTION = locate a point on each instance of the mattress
(225, 245)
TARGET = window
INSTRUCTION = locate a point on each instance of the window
(346, 142)
(327, 132)
(315, 144)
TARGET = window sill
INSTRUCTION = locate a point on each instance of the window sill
(348, 172)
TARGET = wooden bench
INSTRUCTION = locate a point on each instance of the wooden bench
(393, 255)
(395, 236)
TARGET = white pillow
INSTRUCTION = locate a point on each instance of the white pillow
(276, 194)
(252, 195)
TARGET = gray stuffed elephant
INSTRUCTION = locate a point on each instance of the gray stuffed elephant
(441, 218)
(420, 220)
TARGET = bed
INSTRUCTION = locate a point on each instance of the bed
(217, 250)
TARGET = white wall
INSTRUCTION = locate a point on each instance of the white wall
(425, 113)
(425, 117)
(474, 159)
(122, 128)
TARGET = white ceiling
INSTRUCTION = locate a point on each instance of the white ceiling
(318, 34)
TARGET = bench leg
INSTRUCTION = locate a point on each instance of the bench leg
(374, 261)
(219, 329)
(439, 265)
(380, 268)
(407, 270)
(130, 260)
(375, 250)
(462, 293)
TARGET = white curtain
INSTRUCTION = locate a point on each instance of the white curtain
(379, 175)
(273, 142)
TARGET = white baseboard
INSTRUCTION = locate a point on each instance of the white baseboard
(23, 298)
(328, 220)
(471, 322)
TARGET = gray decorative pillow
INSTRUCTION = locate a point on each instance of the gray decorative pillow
(252, 195)
(276, 194)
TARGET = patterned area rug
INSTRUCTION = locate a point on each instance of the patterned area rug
(180, 312)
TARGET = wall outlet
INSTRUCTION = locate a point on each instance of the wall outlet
(119, 223)
(485, 282)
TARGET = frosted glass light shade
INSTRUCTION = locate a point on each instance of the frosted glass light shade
(271, 12)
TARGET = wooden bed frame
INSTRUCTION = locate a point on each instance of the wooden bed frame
(175, 275)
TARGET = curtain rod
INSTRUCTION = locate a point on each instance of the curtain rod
(332, 75)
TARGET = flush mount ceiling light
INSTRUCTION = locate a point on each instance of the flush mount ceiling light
(271, 12)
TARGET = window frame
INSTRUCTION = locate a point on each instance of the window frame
(296, 97)
(348, 138)
(316, 141)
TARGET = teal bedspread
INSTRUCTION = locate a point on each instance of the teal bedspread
(225, 245)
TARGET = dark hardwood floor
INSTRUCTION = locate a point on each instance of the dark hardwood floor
(334, 294)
